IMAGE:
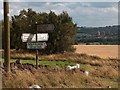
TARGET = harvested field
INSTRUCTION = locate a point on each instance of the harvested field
(103, 51)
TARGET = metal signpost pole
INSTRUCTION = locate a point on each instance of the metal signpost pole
(36, 49)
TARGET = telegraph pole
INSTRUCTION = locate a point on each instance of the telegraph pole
(6, 36)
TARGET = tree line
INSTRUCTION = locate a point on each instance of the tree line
(93, 30)
(60, 40)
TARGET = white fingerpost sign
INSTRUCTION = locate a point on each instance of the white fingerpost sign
(27, 37)
(36, 45)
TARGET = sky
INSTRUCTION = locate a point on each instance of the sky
(89, 14)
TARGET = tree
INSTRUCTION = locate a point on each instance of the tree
(60, 39)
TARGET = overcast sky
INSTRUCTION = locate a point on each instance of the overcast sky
(90, 14)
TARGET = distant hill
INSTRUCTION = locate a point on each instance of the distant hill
(98, 35)
(94, 30)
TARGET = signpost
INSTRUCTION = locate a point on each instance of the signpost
(38, 45)
(45, 27)
(27, 37)
(36, 49)
(33, 39)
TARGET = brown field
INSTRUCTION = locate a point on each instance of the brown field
(103, 51)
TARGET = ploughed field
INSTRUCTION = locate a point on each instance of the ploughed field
(103, 51)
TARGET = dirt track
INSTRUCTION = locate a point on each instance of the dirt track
(104, 51)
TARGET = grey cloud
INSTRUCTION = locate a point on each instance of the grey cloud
(103, 4)
(83, 13)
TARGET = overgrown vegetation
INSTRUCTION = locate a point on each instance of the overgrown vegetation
(53, 73)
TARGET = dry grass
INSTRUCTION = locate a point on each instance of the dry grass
(103, 71)
(75, 57)
(61, 79)
(19, 79)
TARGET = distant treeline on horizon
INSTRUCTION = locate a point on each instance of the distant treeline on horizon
(93, 30)
(100, 35)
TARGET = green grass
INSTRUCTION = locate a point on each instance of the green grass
(86, 66)
(54, 63)
(59, 63)
(49, 63)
